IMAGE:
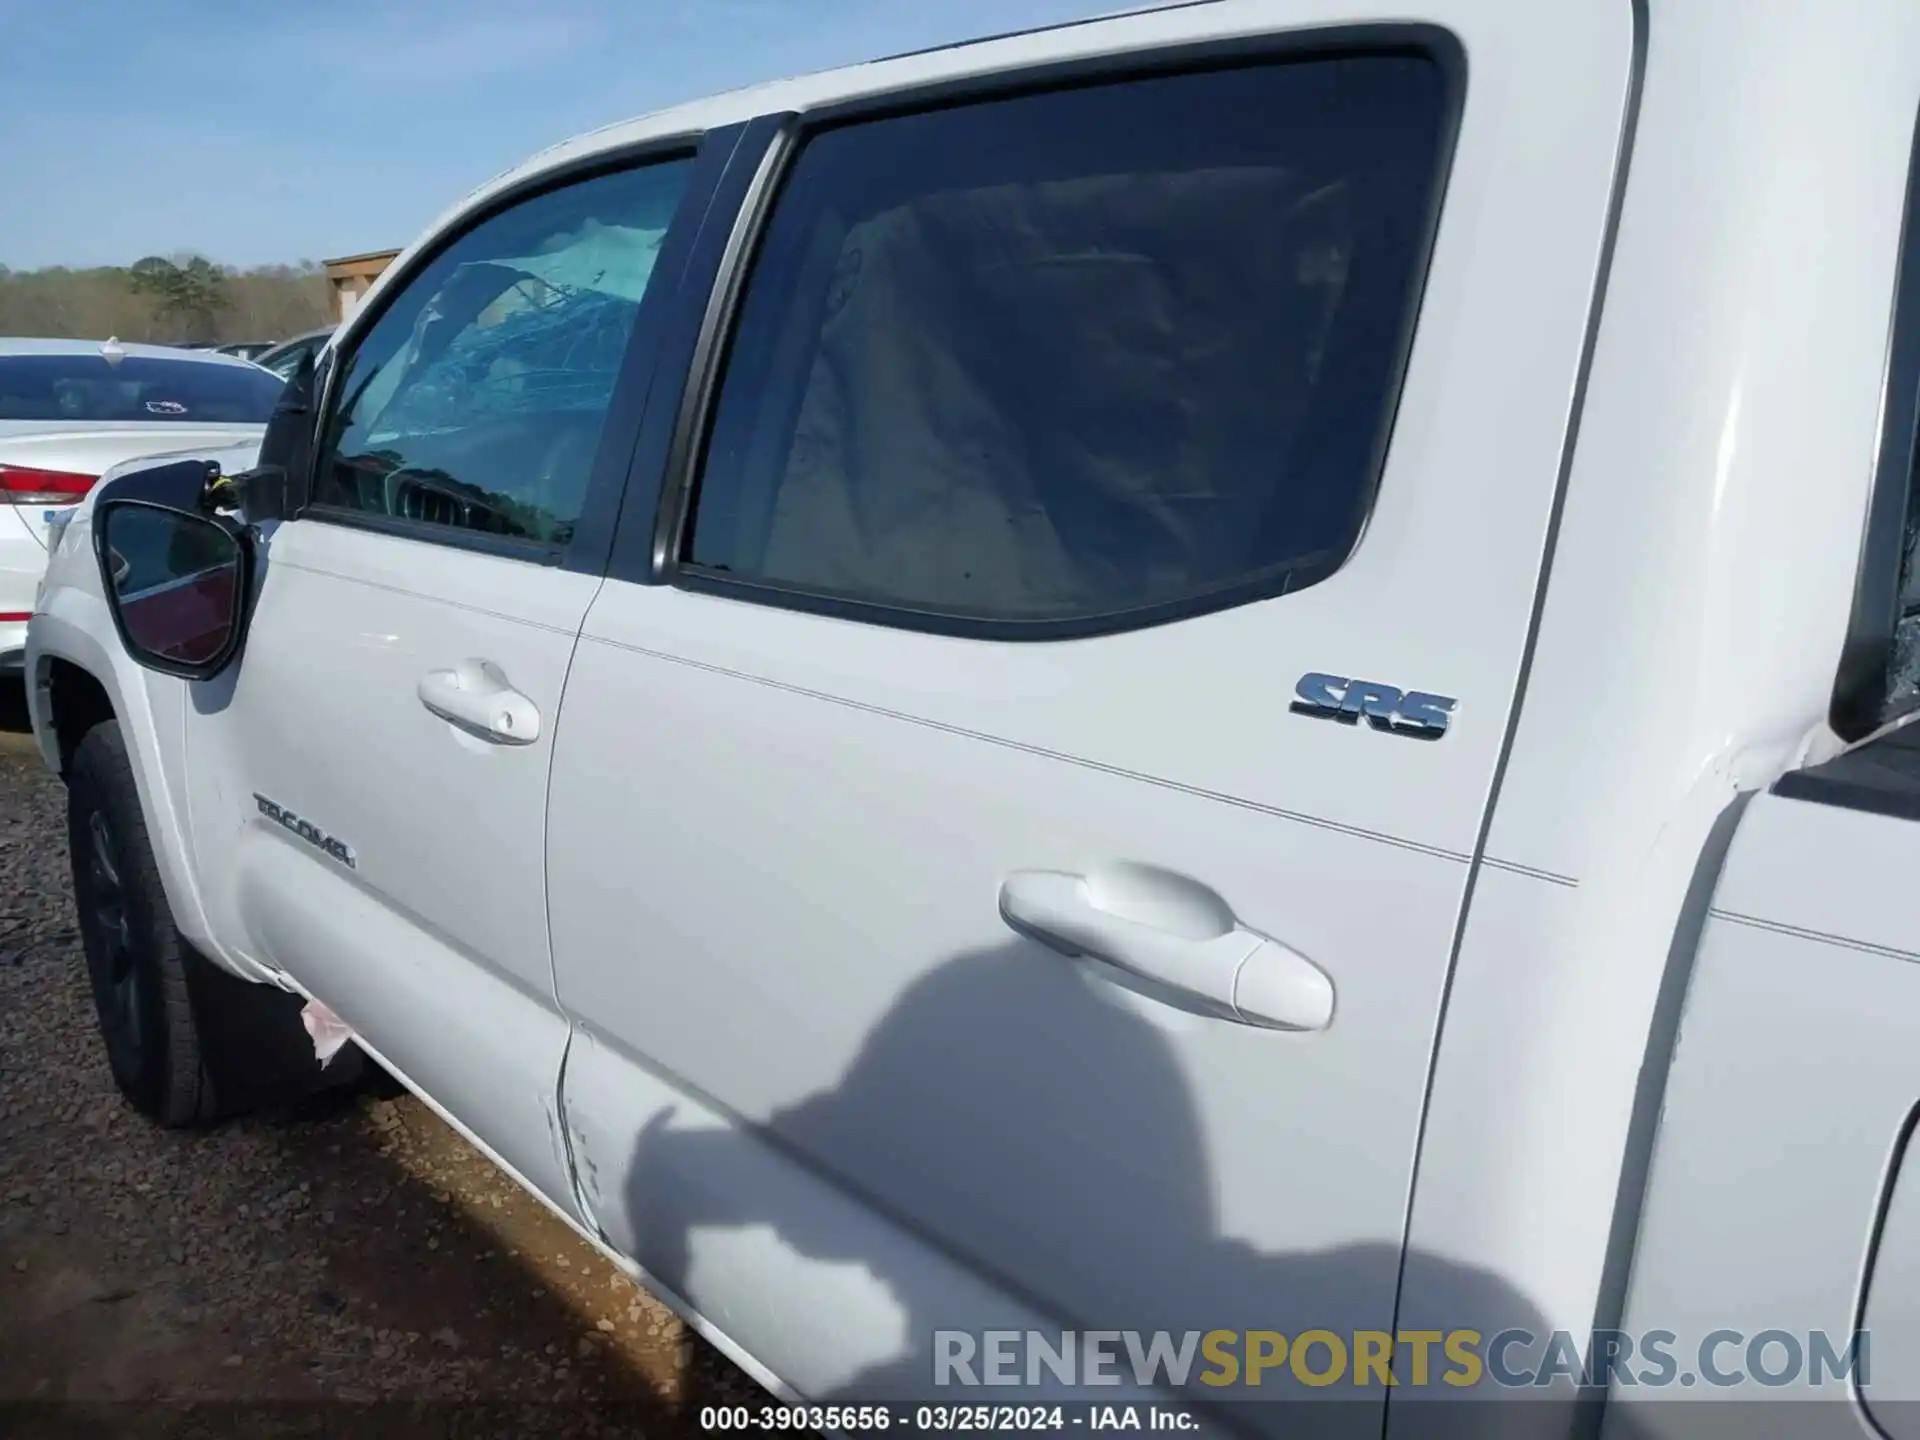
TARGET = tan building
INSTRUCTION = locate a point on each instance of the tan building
(351, 276)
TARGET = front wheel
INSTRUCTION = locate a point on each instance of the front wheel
(188, 1043)
(136, 961)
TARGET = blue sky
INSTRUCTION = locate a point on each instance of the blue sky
(258, 131)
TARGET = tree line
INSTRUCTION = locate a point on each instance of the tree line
(165, 300)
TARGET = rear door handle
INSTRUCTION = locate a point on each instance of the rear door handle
(476, 696)
(1167, 929)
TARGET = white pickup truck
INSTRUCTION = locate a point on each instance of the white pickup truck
(1117, 713)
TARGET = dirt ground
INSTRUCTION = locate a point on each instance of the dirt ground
(355, 1271)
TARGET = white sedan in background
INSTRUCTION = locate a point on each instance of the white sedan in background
(69, 409)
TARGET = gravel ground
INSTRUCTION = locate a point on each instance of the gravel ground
(355, 1271)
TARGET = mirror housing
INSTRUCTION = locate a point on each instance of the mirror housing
(177, 575)
(276, 487)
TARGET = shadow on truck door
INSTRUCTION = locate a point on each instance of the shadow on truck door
(956, 1056)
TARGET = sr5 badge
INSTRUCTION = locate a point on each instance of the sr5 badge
(1413, 713)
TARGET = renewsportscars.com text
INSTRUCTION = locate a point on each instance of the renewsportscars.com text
(1510, 1359)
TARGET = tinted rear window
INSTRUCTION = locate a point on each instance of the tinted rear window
(86, 388)
(1078, 354)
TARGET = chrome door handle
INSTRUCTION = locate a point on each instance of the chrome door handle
(476, 696)
(1165, 928)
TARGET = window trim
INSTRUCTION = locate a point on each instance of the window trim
(708, 259)
(1858, 705)
(1882, 778)
(946, 47)
(701, 383)
(586, 551)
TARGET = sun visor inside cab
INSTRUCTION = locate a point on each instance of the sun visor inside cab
(613, 260)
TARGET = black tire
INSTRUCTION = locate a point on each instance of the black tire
(187, 1042)
(136, 960)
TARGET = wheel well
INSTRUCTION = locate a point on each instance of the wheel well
(77, 702)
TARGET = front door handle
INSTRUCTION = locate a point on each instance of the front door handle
(476, 696)
(1169, 930)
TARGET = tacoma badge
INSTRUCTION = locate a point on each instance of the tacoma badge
(307, 831)
(1413, 713)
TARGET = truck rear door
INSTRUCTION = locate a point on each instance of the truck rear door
(1008, 833)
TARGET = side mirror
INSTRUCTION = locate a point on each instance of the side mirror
(179, 585)
(275, 488)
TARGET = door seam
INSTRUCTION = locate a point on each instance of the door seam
(1587, 1424)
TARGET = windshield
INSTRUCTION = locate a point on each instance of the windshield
(87, 388)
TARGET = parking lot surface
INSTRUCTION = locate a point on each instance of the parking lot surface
(356, 1270)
